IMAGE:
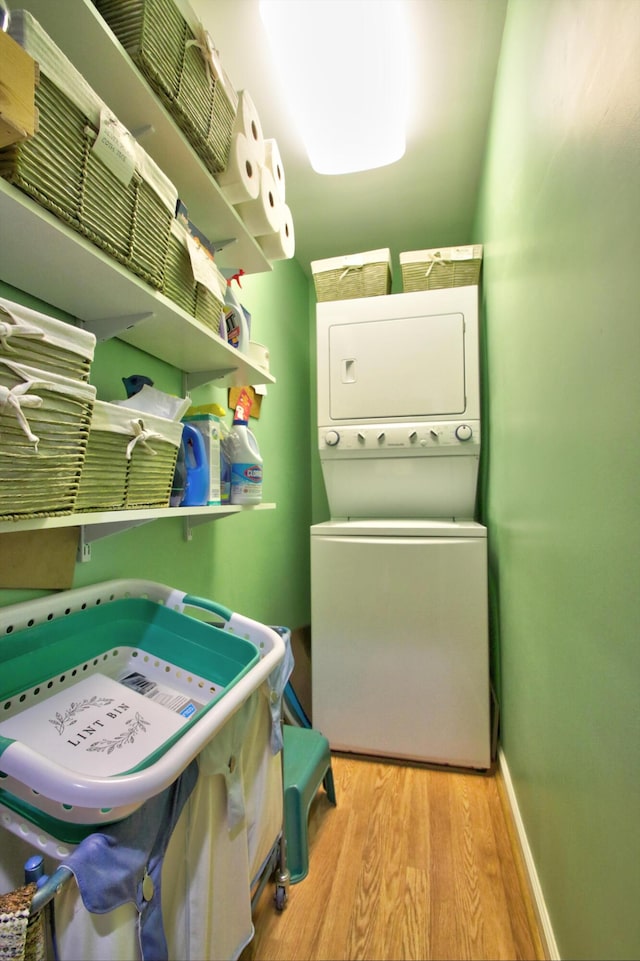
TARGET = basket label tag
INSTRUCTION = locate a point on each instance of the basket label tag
(160, 693)
(96, 727)
(462, 253)
(204, 269)
(115, 147)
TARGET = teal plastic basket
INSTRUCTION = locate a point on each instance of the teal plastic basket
(197, 660)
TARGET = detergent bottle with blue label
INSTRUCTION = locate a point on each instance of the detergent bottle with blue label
(246, 462)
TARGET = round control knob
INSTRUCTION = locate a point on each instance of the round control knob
(331, 438)
(464, 432)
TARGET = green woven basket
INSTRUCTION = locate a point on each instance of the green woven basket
(130, 221)
(169, 55)
(152, 463)
(205, 302)
(209, 308)
(60, 170)
(130, 459)
(103, 481)
(154, 33)
(358, 275)
(59, 145)
(441, 267)
(179, 283)
(43, 441)
(30, 337)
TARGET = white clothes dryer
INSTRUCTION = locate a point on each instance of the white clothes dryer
(399, 624)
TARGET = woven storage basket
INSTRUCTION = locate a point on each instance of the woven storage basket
(441, 267)
(179, 283)
(103, 483)
(358, 275)
(130, 459)
(30, 337)
(209, 306)
(192, 280)
(44, 427)
(174, 57)
(59, 145)
(154, 452)
(126, 211)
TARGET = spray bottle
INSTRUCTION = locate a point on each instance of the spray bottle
(237, 328)
(246, 462)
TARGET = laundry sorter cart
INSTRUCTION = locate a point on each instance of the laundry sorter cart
(216, 679)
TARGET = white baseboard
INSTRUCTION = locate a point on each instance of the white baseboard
(546, 932)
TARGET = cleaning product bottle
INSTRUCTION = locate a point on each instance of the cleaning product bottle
(235, 317)
(225, 463)
(205, 418)
(197, 468)
(246, 462)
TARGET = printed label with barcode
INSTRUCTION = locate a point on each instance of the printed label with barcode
(160, 694)
(138, 682)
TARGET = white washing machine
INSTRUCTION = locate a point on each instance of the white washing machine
(399, 621)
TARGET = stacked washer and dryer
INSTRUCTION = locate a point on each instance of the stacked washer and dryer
(399, 609)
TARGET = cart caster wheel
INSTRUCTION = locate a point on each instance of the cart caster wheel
(280, 898)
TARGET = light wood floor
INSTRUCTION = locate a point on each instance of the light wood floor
(412, 863)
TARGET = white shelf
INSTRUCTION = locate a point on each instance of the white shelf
(41, 255)
(98, 524)
(76, 27)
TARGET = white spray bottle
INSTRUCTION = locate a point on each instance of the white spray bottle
(246, 462)
(235, 317)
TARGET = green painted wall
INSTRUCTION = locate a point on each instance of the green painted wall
(560, 222)
(256, 562)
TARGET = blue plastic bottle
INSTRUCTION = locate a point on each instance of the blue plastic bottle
(197, 468)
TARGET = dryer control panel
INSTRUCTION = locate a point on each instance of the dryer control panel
(397, 440)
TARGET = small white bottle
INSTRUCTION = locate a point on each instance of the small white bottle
(246, 465)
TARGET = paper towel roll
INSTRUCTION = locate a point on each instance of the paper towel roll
(281, 244)
(248, 122)
(241, 180)
(262, 215)
(273, 161)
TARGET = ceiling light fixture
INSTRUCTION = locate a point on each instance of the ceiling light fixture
(344, 66)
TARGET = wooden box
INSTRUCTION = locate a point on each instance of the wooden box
(18, 79)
